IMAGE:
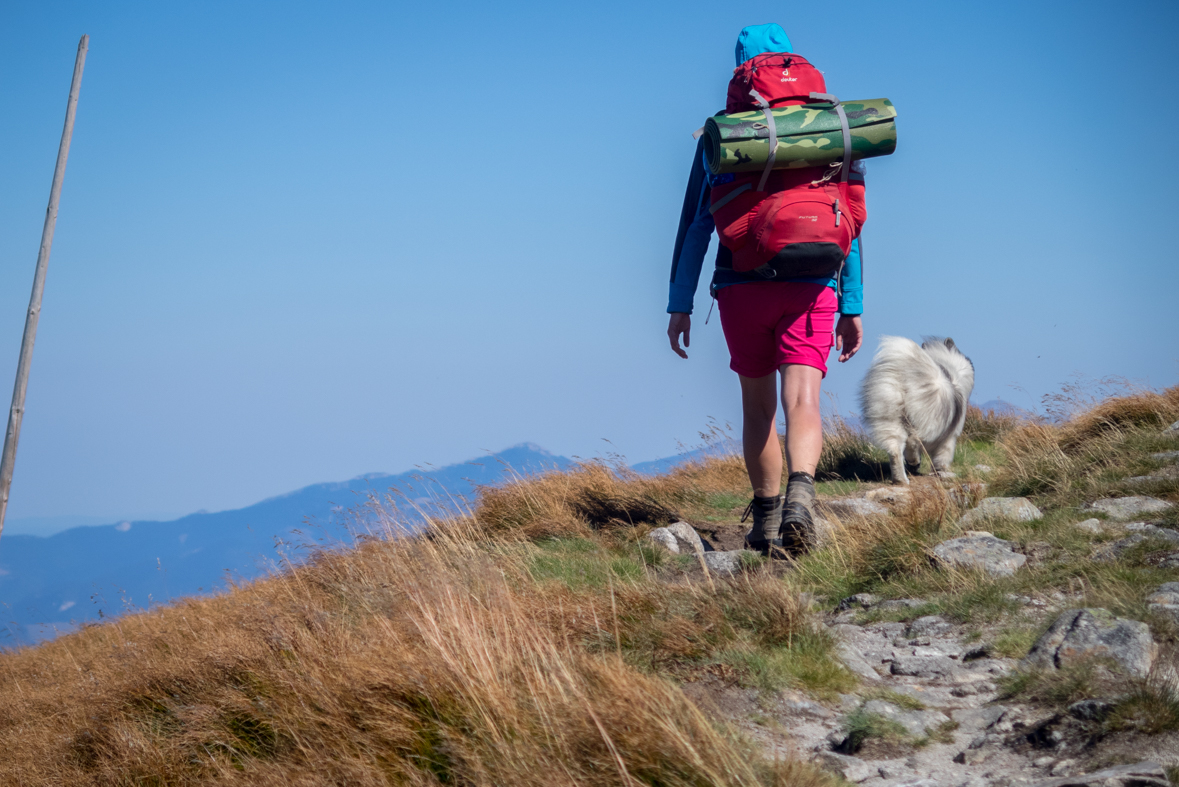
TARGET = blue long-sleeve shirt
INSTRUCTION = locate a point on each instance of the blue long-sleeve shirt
(691, 245)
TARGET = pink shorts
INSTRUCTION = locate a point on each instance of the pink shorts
(771, 323)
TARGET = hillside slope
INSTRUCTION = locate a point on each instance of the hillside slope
(549, 639)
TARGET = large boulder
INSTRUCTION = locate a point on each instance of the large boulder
(1129, 507)
(1019, 509)
(981, 550)
(1082, 634)
(1142, 774)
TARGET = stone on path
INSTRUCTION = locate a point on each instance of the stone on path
(1142, 774)
(666, 539)
(1166, 456)
(1168, 473)
(678, 539)
(852, 769)
(845, 507)
(1090, 526)
(1128, 507)
(924, 666)
(726, 563)
(1139, 532)
(983, 468)
(687, 536)
(1018, 508)
(915, 722)
(1165, 601)
(928, 626)
(979, 549)
(894, 496)
(849, 654)
(1081, 634)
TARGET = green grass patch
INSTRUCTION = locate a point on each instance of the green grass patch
(895, 697)
(805, 664)
(581, 564)
(862, 726)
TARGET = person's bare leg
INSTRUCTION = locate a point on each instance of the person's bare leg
(804, 424)
(759, 435)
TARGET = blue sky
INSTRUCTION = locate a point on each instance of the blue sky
(303, 241)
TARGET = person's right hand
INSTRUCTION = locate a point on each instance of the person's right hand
(680, 323)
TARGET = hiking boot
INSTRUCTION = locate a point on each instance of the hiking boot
(767, 516)
(797, 533)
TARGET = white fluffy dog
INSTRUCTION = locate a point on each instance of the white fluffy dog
(915, 397)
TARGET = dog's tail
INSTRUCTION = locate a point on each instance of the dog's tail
(905, 378)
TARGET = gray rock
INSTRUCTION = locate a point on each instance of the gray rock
(1090, 710)
(851, 768)
(965, 495)
(1019, 509)
(1166, 456)
(1169, 473)
(1172, 428)
(979, 549)
(983, 468)
(1142, 774)
(851, 507)
(923, 666)
(861, 600)
(1139, 533)
(690, 541)
(895, 496)
(902, 603)
(1165, 601)
(929, 626)
(978, 718)
(666, 539)
(1081, 634)
(1090, 526)
(855, 663)
(1128, 507)
(726, 562)
(1063, 767)
(915, 722)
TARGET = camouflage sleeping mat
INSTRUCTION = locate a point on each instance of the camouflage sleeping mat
(809, 135)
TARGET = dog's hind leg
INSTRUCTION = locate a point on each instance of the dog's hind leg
(912, 455)
(891, 438)
(942, 454)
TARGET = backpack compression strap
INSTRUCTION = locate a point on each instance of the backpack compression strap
(845, 165)
(773, 129)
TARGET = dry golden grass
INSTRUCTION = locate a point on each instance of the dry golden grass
(593, 495)
(447, 660)
(1085, 456)
(989, 425)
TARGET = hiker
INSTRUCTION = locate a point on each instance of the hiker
(775, 321)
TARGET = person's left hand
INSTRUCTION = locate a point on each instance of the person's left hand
(849, 335)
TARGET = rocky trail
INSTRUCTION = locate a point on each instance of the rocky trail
(937, 704)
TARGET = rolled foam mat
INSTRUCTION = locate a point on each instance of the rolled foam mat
(809, 135)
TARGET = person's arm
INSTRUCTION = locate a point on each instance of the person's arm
(849, 331)
(851, 281)
(691, 246)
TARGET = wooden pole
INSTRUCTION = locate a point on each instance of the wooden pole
(8, 458)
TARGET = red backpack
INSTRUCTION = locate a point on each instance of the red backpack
(781, 78)
(787, 222)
